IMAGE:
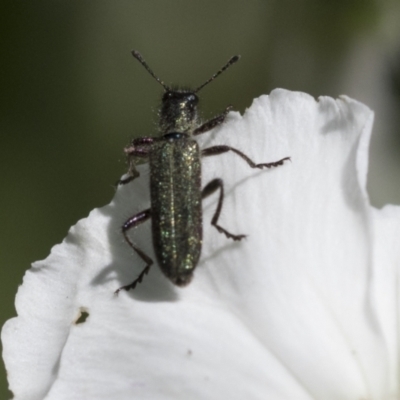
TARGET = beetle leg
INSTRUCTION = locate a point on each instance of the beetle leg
(131, 223)
(212, 123)
(215, 150)
(210, 188)
(138, 149)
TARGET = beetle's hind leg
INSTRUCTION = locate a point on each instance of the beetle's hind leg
(210, 188)
(131, 223)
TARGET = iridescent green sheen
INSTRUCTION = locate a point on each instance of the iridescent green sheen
(175, 182)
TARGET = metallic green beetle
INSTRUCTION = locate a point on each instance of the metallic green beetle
(175, 182)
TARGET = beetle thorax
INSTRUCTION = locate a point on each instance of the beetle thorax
(178, 111)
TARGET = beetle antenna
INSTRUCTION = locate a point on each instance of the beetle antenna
(226, 66)
(139, 57)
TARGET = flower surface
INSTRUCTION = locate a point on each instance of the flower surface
(306, 307)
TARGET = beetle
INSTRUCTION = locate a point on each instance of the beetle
(174, 159)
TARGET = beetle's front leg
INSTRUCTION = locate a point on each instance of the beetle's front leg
(132, 223)
(138, 149)
(216, 150)
(212, 123)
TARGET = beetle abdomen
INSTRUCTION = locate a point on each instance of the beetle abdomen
(175, 189)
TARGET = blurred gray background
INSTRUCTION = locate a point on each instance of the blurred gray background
(73, 95)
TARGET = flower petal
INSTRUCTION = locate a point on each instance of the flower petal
(385, 288)
(287, 313)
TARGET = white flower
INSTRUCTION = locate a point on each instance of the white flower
(306, 307)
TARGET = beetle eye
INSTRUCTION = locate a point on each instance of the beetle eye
(193, 98)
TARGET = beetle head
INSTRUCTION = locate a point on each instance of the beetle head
(179, 107)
